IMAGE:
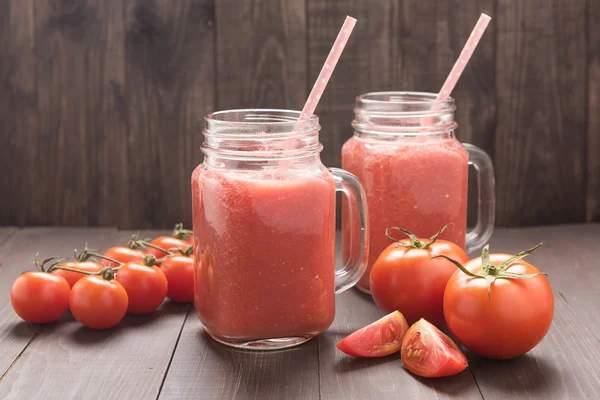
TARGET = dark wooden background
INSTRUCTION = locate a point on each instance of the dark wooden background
(102, 102)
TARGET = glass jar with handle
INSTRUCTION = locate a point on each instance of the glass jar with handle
(264, 230)
(415, 171)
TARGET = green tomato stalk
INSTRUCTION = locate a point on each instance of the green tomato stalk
(490, 272)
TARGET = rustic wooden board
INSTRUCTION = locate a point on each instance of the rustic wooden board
(261, 54)
(70, 361)
(203, 368)
(17, 254)
(593, 112)
(565, 365)
(18, 115)
(170, 87)
(541, 93)
(168, 355)
(105, 99)
(77, 82)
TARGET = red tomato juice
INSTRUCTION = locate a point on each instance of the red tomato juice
(265, 253)
(417, 185)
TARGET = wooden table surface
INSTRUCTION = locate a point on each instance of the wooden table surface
(167, 355)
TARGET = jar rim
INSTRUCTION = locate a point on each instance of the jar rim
(260, 134)
(402, 113)
(402, 102)
(259, 122)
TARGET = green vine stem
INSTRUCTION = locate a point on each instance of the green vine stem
(86, 254)
(490, 272)
(106, 273)
(146, 243)
(179, 232)
(415, 242)
(41, 266)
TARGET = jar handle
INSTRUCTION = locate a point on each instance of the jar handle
(486, 199)
(356, 265)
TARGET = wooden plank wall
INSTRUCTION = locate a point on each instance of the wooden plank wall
(102, 102)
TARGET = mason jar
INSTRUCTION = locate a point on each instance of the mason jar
(264, 230)
(415, 172)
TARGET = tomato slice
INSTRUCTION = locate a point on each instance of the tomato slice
(381, 338)
(428, 352)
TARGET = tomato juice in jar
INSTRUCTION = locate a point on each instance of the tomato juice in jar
(415, 172)
(264, 230)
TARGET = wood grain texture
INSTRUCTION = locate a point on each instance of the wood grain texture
(261, 54)
(170, 87)
(64, 360)
(71, 361)
(541, 98)
(203, 368)
(593, 112)
(17, 255)
(565, 365)
(68, 37)
(19, 126)
(103, 101)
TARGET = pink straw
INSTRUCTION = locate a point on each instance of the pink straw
(327, 70)
(465, 56)
(323, 79)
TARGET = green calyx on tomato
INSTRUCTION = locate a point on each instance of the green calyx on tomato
(150, 260)
(490, 272)
(187, 252)
(415, 242)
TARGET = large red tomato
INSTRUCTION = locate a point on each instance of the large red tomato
(501, 316)
(407, 279)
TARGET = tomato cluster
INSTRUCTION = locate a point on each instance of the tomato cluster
(135, 278)
(497, 305)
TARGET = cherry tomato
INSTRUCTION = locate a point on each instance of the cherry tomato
(73, 277)
(179, 271)
(167, 243)
(146, 286)
(98, 303)
(381, 338)
(405, 278)
(428, 352)
(123, 254)
(508, 320)
(40, 297)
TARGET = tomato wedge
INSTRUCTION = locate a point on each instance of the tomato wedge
(428, 352)
(381, 338)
